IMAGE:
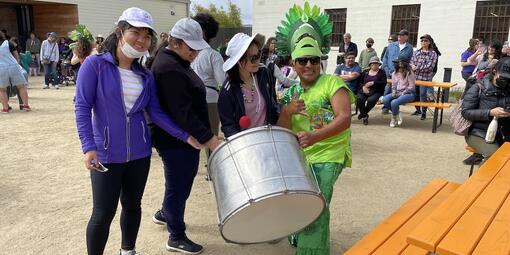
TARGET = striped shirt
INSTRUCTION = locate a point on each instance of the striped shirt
(131, 87)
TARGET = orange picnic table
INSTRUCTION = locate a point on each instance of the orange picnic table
(475, 218)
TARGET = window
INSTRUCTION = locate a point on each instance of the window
(338, 17)
(406, 17)
(492, 20)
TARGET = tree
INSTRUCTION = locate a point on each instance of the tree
(226, 18)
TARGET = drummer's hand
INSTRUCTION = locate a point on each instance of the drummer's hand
(213, 143)
(296, 107)
(193, 142)
(306, 139)
(89, 157)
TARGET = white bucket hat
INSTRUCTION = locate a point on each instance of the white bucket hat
(190, 32)
(137, 17)
(237, 46)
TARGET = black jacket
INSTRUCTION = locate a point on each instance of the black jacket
(231, 103)
(478, 101)
(352, 47)
(379, 84)
(181, 94)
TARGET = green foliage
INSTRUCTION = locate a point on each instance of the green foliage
(229, 18)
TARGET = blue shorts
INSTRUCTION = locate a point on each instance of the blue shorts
(11, 75)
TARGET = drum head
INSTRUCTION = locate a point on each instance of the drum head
(272, 218)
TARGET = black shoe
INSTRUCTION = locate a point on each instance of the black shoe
(184, 245)
(159, 218)
(365, 120)
(416, 113)
(474, 159)
(360, 116)
(423, 116)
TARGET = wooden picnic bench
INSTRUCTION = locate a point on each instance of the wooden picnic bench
(389, 237)
(475, 218)
(439, 105)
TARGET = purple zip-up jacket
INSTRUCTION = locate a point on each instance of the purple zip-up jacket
(117, 136)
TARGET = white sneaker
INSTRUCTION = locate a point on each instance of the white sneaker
(45, 87)
(399, 119)
(393, 121)
(56, 86)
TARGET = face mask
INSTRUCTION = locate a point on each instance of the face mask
(129, 51)
(502, 83)
(369, 45)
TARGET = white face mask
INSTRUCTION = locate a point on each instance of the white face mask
(129, 51)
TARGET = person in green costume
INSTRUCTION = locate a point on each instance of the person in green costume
(318, 109)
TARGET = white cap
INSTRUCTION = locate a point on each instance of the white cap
(137, 17)
(190, 32)
(237, 46)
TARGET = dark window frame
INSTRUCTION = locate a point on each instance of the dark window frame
(338, 17)
(406, 17)
(492, 20)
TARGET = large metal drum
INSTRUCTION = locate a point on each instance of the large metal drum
(264, 189)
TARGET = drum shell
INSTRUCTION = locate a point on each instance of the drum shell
(257, 164)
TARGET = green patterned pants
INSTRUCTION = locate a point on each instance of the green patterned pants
(314, 239)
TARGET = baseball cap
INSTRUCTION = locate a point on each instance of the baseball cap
(400, 58)
(403, 32)
(237, 46)
(54, 34)
(190, 32)
(137, 17)
(503, 67)
(426, 36)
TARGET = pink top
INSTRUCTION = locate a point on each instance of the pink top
(255, 107)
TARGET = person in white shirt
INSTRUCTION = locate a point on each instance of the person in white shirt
(49, 58)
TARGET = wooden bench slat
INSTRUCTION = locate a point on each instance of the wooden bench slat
(477, 218)
(430, 104)
(497, 239)
(432, 83)
(432, 230)
(370, 242)
(413, 250)
(397, 242)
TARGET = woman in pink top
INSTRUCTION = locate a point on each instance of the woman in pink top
(402, 90)
(246, 100)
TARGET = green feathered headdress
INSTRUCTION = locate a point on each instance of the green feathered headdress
(80, 33)
(300, 23)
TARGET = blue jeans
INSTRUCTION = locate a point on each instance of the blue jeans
(181, 167)
(50, 73)
(424, 91)
(394, 103)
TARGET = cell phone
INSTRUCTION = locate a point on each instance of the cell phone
(98, 167)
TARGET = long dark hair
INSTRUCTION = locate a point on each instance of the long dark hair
(112, 41)
(83, 48)
(405, 70)
(265, 49)
(498, 46)
(161, 46)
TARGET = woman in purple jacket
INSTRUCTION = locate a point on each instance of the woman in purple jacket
(118, 90)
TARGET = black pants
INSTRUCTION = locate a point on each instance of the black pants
(365, 103)
(127, 181)
(181, 167)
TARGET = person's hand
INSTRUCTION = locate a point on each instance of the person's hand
(413, 67)
(90, 158)
(365, 90)
(493, 62)
(499, 112)
(193, 142)
(370, 83)
(306, 139)
(296, 107)
(480, 51)
(341, 54)
(213, 143)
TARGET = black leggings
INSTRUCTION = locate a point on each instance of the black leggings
(365, 103)
(127, 181)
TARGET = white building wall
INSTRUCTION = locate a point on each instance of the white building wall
(449, 22)
(100, 15)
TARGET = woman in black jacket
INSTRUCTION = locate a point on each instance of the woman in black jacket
(489, 98)
(373, 81)
(246, 99)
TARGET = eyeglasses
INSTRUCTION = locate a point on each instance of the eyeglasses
(254, 59)
(304, 61)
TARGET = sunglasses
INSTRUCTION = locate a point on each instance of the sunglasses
(424, 40)
(255, 58)
(305, 60)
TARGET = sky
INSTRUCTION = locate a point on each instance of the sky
(245, 5)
